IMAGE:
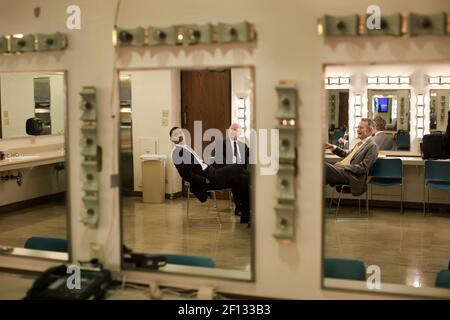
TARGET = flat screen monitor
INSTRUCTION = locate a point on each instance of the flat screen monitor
(382, 104)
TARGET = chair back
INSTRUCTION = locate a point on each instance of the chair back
(443, 279)
(344, 269)
(387, 168)
(47, 244)
(437, 170)
(336, 135)
(190, 260)
(402, 140)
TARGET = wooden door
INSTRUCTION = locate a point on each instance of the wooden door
(206, 97)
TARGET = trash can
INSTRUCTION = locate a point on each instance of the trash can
(153, 177)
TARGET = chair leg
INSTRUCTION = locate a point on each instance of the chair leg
(338, 204)
(331, 200)
(359, 206)
(367, 203)
(428, 201)
(401, 199)
(424, 209)
(187, 203)
(215, 200)
(371, 198)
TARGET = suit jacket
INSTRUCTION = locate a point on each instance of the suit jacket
(190, 170)
(360, 165)
(383, 141)
(224, 153)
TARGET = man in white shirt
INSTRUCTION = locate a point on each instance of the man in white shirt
(353, 168)
(203, 177)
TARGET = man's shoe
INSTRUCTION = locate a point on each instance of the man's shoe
(245, 219)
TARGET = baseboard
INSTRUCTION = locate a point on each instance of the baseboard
(25, 204)
(173, 196)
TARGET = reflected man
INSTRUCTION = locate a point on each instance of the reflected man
(353, 169)
(203, 177)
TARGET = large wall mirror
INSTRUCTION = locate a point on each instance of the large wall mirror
(33, 184)
(185, 171)
(386, 209)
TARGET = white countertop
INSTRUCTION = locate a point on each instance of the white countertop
(28, 161)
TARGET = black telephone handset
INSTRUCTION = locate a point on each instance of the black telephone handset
(47, 278)
(53, 284)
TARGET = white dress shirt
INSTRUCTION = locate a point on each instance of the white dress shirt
(232, 150)
(199, 160)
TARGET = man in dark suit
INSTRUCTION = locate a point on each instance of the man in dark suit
(233, 151)
(203, 177)
(353, 168)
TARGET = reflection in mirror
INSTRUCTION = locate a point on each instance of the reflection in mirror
(33, 212)
(338, 116)
(390, 109)
(387, 210)
(439, 109)
(31, 104)
(185, 173)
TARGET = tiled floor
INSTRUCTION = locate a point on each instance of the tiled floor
(409, 248)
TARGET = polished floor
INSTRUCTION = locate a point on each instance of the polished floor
(165, 228)
(409, 249)
(47, 220)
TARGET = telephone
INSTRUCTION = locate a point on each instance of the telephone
(53, 285)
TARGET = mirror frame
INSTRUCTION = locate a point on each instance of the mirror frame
(51, 255)
(200, 272)
(331, 284)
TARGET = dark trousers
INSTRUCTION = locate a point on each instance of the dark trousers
(235, 177)
(334, 175)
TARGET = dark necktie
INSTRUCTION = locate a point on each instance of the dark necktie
(236, 152)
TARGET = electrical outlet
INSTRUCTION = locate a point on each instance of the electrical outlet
(96, 251)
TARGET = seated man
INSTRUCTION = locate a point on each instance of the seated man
(381, 139)
(232, 151)
(353, 169)
(203, 177)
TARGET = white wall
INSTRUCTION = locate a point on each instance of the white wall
(57, 103)
(153, 92)
(288, 48)
(17, 100)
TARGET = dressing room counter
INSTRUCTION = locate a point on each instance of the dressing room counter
(22, 160)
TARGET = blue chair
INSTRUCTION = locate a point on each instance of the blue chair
(387, 173)
(443, 279)
(190, 260)
(47, 244)
(336, 135)
(344, 269)
(437, 176)
(403, 141)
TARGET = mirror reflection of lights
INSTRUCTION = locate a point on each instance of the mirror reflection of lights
(18, 36)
